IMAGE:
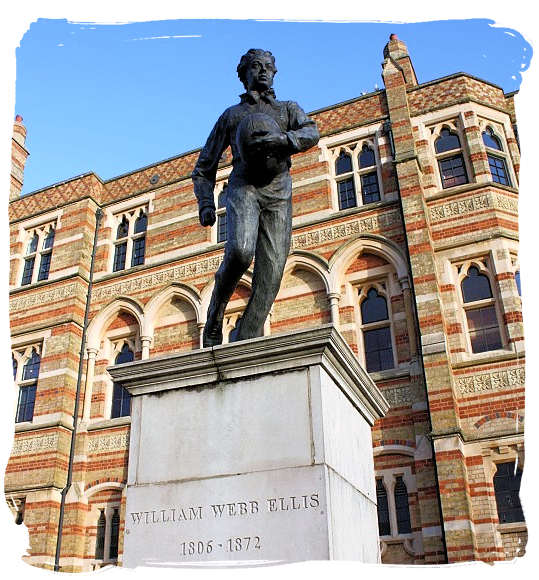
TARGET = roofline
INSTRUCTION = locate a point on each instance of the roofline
(315, 112)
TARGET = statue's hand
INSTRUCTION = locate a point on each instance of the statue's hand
(270, 141)
(207, 216)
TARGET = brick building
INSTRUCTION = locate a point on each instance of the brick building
(405, 237)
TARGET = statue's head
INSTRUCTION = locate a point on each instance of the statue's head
(257, 69)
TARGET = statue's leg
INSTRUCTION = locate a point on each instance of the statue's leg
(273, 245)
(242, 213)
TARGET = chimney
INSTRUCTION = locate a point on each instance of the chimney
(396, 50)
(19, 154)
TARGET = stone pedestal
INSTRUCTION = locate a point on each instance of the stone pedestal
(256, 451)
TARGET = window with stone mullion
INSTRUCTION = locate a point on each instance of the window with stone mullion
(376, 329)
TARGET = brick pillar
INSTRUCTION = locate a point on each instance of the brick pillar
(19, 154)
(443, 405)
(474, 142)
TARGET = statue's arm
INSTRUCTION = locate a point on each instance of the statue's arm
(303, 132)
(205, 170)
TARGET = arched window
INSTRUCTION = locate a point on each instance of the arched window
(451, 165)
(345, 184)
(221, 215)
(376, 330)
(114, 534)
(506, 489)
(120, 249)
(45, 263)
(31, 367)
(382, 506)
(39, 250)
(139, 239)
(30, 260)
(121, 399)
(497, 163)
(480, 308)
(370, 190)
(27, 382)
(402, 507)
(366, 157)
(100, 536)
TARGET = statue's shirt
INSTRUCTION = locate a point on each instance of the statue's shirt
(301, 132)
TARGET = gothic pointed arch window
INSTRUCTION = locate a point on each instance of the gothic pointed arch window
(345, 181)
(26, 365)
(402, 506)
(382, 508)
(38, 251)
(139, 239)
(450, 159)
(376, 330)
(496, 158)
(480, 308)
(121, 399)
(120, 248)
(100, 536)
(370, 189)
(130, 238)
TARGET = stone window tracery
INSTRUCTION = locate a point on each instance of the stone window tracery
(26, 364)
(107, 526)
(130, 238)
(38, 250)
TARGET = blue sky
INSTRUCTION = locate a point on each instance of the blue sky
(113, 98)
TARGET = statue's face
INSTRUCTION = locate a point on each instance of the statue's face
(259, 74)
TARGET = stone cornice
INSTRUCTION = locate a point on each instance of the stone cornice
(322, 346)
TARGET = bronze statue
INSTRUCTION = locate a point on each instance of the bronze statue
(263, 133)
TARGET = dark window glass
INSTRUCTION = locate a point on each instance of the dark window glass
(114, 535)
(31, 368)
(15, 366)
(343, 164)
(125, 355)
(452, 171)
(369, 188)
(366, 157)
(100, 536)
(121, 402)
(347, 193)
(221, 228)
(123, 229)
(517, 280)
(483, 329)
(221, 201)
(382, 507)
(49, 240)
(141, 223)
(402, 508)
(506, 489)
(28, 271)
(378, 349)
(44, 266)
(490, 140)
(498, 170)
(25, 404)
(373, 308)
(139, 247)
(32, 246)
(119, 257)
(447, 141)
(475, 286)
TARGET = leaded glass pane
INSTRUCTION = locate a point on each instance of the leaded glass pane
(49, 240)
(343, 164)
(382, 506)
(221, 228)
(475, 286)
(32, 246)
(490, 140)
(28, 271)
(347, 193)
(121, 402)
(221, 201)
(483, 329)
(506, 489)
(447, 141)
(25, 404)
(141, 223)
(123, 229)
(366, 157)
(139, 248)
(378, 349)
(120, 251)
(369, 187)
(31, 368)
(125, 355)
(402, 508)
(373, 308)
(452, 171)
(498, 170)
(44, 266)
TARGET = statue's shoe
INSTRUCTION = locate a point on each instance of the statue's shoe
(212, 336)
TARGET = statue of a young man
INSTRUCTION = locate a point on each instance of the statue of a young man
(263, 133)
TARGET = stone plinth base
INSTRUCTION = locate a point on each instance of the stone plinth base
(254, 451)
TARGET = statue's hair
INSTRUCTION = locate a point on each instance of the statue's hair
(246, 59)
